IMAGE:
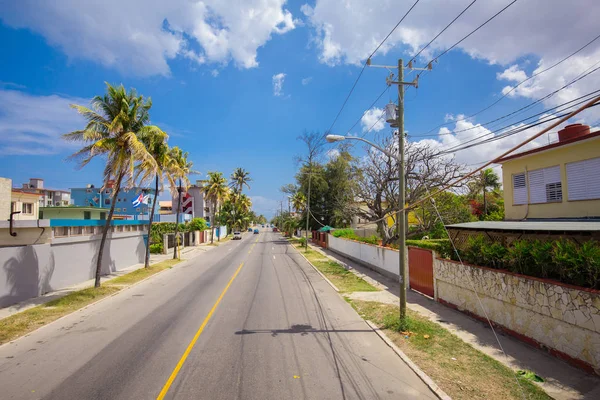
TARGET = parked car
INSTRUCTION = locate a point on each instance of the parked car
(275, 229)
(249, 229)
(237, 236)
(256, 231)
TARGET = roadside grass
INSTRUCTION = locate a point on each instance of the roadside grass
(343, 279)
(29, 320)
(459, 369)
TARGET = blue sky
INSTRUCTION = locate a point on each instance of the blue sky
(210, 74)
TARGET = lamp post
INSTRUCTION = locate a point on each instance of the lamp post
(400, 217)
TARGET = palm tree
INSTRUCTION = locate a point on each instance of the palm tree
(299, 201)
(179, 168)
(487, 179)
(240, 178)
(155, 141)
(114, 122)
(215, 191)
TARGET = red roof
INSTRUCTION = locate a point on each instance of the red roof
(550, 146)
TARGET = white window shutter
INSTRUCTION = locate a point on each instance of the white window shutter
(545, 185)
(519, 189)
(583, 179)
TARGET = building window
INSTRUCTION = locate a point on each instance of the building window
(89, 230)
(87, 215)
(519, 189)
(106, 202)
(583, 179)
(77, 230)
(545, 185)
(27, 208)
(118, 209)
(13, 207)
(103, 216)
(124, 209)
(107, 191)
(137, 209)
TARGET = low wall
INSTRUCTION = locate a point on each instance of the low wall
(32, 270)
(381, 259)
(562, 318)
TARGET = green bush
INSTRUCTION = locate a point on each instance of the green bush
(563, 260)
(440, 246)
(156, 248)
(344, 233)
(302, 241)
(198, 224)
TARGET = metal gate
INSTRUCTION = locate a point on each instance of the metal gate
(420, 264)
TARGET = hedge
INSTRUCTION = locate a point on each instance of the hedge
(161, 228)
(442, 246)
(562, 260)
(349, 234)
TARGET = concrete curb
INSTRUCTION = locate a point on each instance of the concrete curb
(121, 290)
(424, 377)
(316, 269)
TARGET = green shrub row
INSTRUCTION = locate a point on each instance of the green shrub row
(442, 246)
(562, 260)
(349, 234)
(156, 248)
(161, 228)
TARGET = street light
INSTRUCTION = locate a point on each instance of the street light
(400, 216)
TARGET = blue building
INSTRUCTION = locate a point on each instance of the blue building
(132, 202)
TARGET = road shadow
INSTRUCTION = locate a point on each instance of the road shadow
(301, 329)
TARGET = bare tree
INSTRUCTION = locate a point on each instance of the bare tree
(425, 169)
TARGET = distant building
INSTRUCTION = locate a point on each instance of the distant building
(26, 204)
(560, 180)
(192, 202)
(129, 202)
(73, 212)
(48, 197)
(165, 207)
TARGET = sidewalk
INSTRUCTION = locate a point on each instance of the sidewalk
(562, 381)
(186, 253)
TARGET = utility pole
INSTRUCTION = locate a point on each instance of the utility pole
(307, 208)
(401, 215)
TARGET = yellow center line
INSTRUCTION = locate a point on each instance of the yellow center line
(187, 351)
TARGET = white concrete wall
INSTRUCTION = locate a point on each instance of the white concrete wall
(32, 270)
(381, 259)
(5, 195)
(561, 317)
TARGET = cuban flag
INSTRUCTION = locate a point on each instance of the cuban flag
(138, 200)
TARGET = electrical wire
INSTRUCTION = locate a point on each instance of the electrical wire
(365, 65)
(442, 31)
(367, 110)
(514, 87)
(520, 129)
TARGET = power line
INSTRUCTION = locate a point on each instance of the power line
(442, 31)
(436, 58)
(365, 64)
(581, 76)
(517, 85)
(367, 110)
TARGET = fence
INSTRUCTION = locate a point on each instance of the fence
(67, 256)
(560, 318)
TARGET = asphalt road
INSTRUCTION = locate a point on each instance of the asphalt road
(250, 319)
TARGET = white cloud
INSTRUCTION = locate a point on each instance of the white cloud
(373, 119)
(214, 72)
(512, 74)
(139, 37)
(278, 84)
(306, 81)
(348, 33)
(32, 125)
(332, 153)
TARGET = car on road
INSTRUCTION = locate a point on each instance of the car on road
(249, 229)
(256, 231)
(275, 229)
(237, 236)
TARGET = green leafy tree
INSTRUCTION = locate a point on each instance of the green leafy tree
(486, 181)
(216, 191)
(114, 123)
(240, 178)
(155, 141)
(179, 169)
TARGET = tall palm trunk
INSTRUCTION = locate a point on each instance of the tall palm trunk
(219, 237)
(106, 228)
(177, 219)
(147, 259)
(212, 225)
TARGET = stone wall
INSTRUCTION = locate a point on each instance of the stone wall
(562, 318)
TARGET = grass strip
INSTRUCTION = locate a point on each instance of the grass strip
(459, 369)
(343, 279)
(29, 320)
